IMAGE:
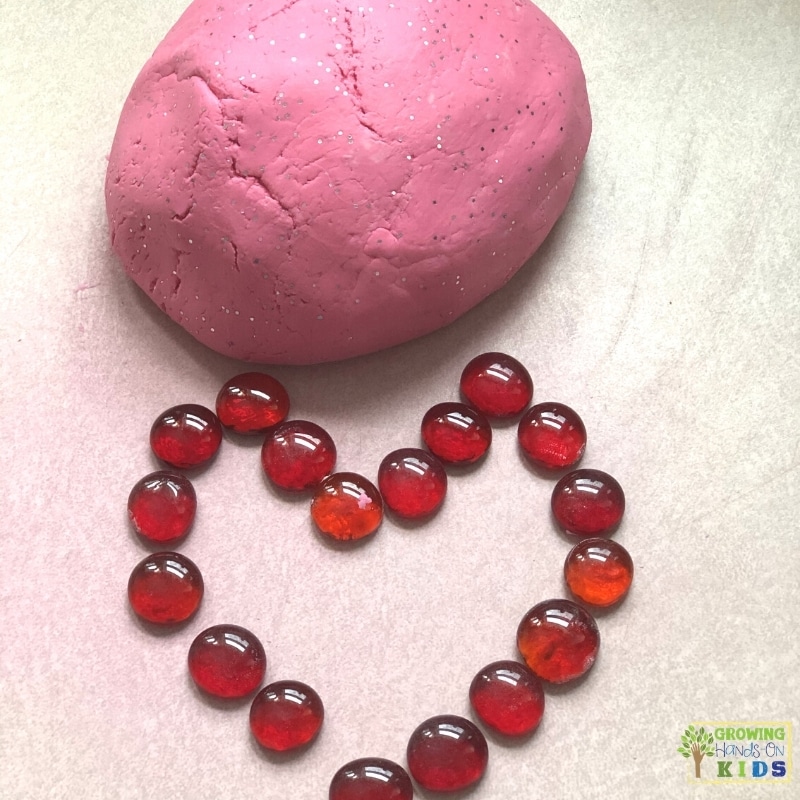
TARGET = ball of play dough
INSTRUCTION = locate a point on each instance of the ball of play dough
(297, 181)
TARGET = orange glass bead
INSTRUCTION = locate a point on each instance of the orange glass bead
(347, 506)
(598, 571)
(559, 640)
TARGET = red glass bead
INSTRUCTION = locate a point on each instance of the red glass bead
(598, 571)
(508, 698)
(286, 715)
(227, 661)
(447, 753)
(456, 433)
(186, 436)
(413, 482)
(252, 402)
(347, 506)
(297, 455)
(165, 588)
(558, 640)
(371, 779)
(161, 506)
(552, 435)
(497, 385)
(588, 502)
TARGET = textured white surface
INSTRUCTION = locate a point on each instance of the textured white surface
(664, 308)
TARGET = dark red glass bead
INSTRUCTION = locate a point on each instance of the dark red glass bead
(456, 433)
(588, 502)
(497, 385)
(252, 403)
(161, 506)
(165, 588)
(552, 435)
(413, 482)
(447, 753)
(371, 779)
(559, 640)
(347, 506)
(227, 661)
(598, 571)
(286, 715)
(186, 436)
(508, 698)
(297, 455)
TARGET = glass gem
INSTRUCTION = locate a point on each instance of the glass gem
(413, 482)
(227, 661)
(252, 402)
(371, 779)
(558, 640)
(598, 571)
(552, 435)
(286, 715)
(346, 506)
(588, 502)
(165, 588)
(508, 698)
(161, 506)
(456, 433)
(297, 455)
(186, 436)
(497, 385)
(447, 753)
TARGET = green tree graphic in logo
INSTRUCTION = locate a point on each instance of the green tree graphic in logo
(697, 744)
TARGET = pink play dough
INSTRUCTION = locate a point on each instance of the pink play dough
(303, 181)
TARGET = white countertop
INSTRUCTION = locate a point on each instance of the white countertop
(664, 308)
